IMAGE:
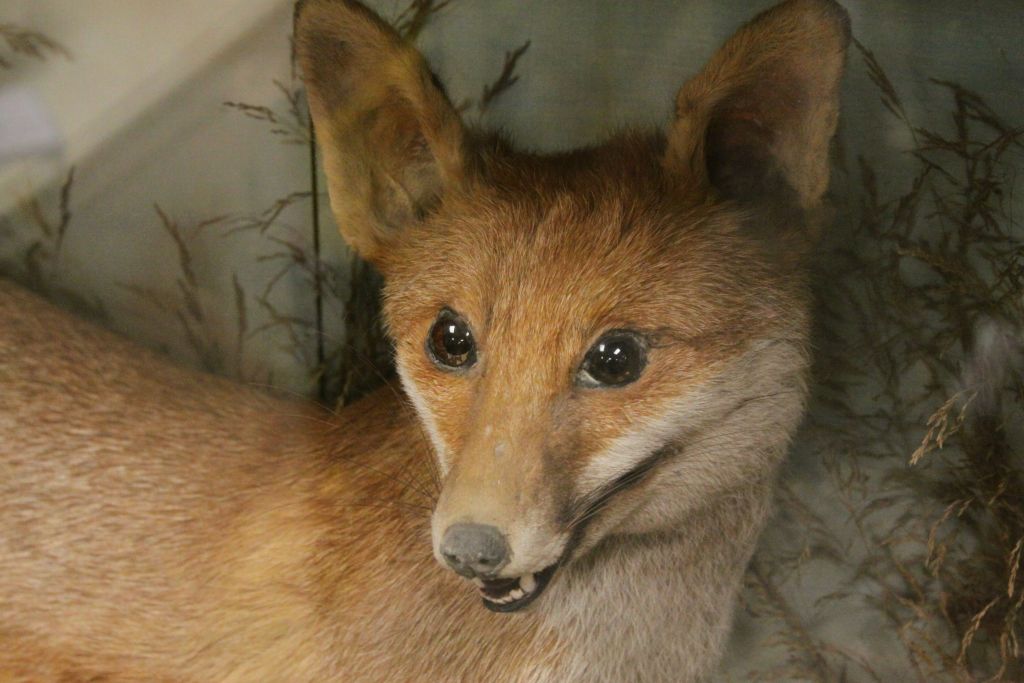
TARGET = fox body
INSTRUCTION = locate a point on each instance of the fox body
(604, 356)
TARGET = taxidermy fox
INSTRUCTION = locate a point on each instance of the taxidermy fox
(605, 351)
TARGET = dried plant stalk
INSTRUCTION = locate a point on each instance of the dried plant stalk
(28, 43)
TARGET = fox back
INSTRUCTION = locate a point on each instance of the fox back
(602, 357)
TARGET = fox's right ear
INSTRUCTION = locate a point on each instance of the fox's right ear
(755, 124)
(390, 140)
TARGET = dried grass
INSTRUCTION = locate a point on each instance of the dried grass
(920, 375)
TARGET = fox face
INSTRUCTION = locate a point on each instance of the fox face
(597, 342)
(566, 344)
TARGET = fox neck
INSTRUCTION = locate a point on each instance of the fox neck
(657, 606)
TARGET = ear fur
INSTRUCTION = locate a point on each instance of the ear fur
(390, 140)
(756, 124)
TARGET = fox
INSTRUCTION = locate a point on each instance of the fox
(602, 355)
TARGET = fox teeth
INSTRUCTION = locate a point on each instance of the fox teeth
(478, 581)
(527, 584)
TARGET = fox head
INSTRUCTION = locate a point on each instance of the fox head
(598, 342)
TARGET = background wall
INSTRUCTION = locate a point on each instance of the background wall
(175, 202)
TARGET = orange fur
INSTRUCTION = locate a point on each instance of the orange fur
(220, 537)
(160, 525)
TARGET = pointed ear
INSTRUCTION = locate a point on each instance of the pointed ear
(390, 140)
(756, 124)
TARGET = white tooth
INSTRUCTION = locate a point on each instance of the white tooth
(527, 583)
(478, 581)
(516, 594)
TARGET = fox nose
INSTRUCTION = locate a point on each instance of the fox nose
(474, 549)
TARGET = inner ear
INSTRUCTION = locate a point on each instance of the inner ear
(407, 177)
(739, 160)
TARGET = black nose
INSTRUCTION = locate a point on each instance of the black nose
(474, 549)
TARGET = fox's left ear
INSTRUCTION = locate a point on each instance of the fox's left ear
(391, 142)
(757, 122)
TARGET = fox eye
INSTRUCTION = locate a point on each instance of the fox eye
(616, 359)
(451, 343)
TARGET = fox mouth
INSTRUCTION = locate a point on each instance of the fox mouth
(513, 594)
